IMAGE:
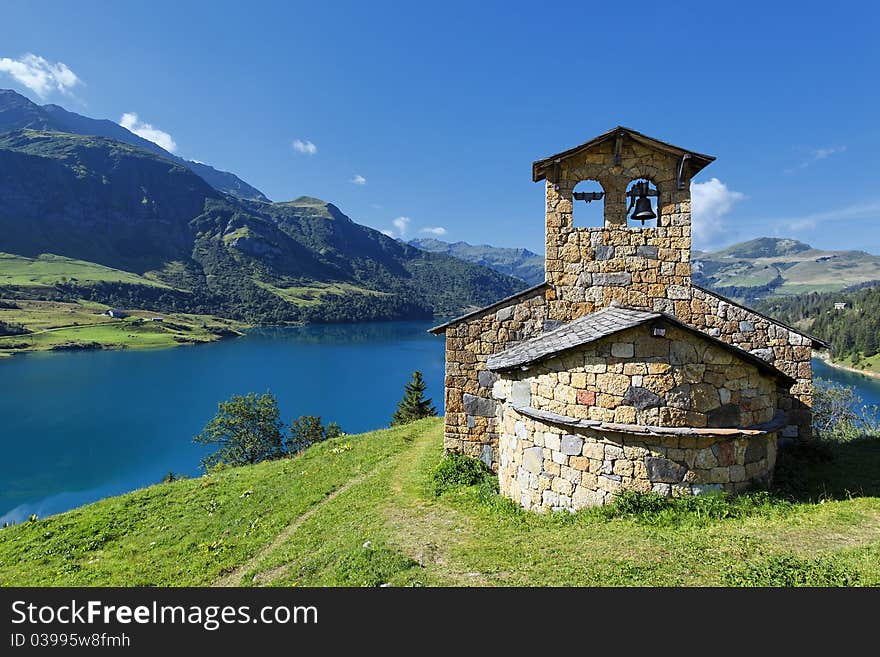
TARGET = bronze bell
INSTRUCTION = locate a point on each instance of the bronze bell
(643, 211)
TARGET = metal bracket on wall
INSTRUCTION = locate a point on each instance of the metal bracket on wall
(680, 181)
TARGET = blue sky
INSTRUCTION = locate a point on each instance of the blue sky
(428, 116)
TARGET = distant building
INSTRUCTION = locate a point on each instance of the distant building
(157, 319)
(840, 305)
(115, 313)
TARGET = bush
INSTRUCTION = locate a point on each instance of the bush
(839, 414)
(791, 570)
(458, 470)
(308, 430)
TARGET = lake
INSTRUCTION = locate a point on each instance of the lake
(79, 426)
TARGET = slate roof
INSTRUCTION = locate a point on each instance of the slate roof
(578, 332)
(601, 324)
(696, 162)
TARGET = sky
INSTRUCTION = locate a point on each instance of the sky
(423, 119)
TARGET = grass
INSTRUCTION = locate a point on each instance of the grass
(55, 325)
(365, 510)
(311, 295)
(47, 270)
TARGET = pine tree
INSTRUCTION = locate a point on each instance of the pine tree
(414, 405)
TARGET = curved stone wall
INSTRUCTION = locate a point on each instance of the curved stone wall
(544, 466)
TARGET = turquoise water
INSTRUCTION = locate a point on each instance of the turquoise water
(75, 427)
(79, 426)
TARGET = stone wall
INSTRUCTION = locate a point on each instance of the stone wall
(784, 349)
(588, 268)
(470, 424)
(547, 467)
(679, 380)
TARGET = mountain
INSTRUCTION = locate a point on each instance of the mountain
(17, 113)
(519, 263)
(771, 267)
(106, 202)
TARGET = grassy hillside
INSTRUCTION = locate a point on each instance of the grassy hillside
(777, 267)
(17, 113)
(54, 325)
(94, 200)
(360, 510)
(853, 331)
(48, 270)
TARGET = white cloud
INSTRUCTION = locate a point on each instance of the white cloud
(39, 75)
(306, 147)
(388, 232)
(131, 121)
(401, 224)
(439, 231)
(711, 201)
(359, 180)
(815, 156)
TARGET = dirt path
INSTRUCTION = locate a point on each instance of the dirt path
(234, 578)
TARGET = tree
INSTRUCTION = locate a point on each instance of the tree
(248, 430)
(414, 405)
(307, 430)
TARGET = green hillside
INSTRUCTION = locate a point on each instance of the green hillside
(360, 511)
(778, 267)
(180, 246)
(17, 113)
(853, 330)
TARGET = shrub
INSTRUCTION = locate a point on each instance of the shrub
(458, 470)
(308, 430)
(791, 570)
(839, 414)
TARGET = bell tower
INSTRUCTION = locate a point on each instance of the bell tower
(640, 256)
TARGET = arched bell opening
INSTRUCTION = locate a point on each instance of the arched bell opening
(588, 205)
(642, 209)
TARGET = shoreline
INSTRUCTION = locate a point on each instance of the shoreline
(827, 360)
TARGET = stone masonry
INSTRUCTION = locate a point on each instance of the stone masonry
(647, 268)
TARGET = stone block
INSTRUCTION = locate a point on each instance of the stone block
(641, 398)
(486, 378)
(520, 430)
(586, 397)
(604, 252)
(479, 406)
(487, 455)
(504, 314)
(579, 463)
(552, 441)
(614, 452)
(664, 470)
(622, 349)
(533, 460)
(615, 279)
(562, 486)
(728, 415)
(584, 497)
(648, 251)
(595, 451)
(746, 326)
(521, 394)
(756, 450)
(678, 292)
(724, 453)
(572, 445)
(705, 459)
